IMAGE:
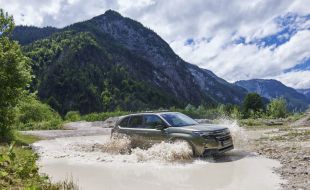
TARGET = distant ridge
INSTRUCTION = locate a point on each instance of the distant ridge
(270, 89)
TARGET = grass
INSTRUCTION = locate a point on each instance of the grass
(293, 134)
(269, 122)
(18, 169)
(22, 139)
(251, 122)
(295, 117)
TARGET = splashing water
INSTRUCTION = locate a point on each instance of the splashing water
(177, 151)
(238, 134)
(114, 146)
(105, 149)
(161, 152)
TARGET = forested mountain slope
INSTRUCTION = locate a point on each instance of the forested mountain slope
(112, 62)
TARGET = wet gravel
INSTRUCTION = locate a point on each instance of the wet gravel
(292, 148)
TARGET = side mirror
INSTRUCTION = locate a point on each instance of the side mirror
(160, 127)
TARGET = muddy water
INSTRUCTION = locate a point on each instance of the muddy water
(97, 162)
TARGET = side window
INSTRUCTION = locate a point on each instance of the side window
(124, 122)
(135, 122)
(151, 121)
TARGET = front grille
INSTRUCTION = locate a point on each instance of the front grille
(219, 135)
(223, 138)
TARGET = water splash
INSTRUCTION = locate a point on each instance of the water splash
(114, 146)
(120, 150)
(238, 133)
(176, 151)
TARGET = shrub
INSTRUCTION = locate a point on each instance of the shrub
(102, 116)
(251, 122)
(277, 108)
(235, 113)
(295, 116)
(252, 106)
(73, 116)
(203, 112)
(33, 114)
(18, 170)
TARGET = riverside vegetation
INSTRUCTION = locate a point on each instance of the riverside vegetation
(22, 109)
(18, 169)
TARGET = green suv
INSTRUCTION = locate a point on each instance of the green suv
(146, 129)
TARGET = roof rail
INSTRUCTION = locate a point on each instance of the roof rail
(154, 111)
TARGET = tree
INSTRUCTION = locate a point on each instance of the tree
(14, 74)
(252, 105)
(277, 108)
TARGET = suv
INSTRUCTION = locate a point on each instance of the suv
(145, 129)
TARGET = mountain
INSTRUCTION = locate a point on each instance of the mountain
(273, 89)
(305, 92)
(111, 62)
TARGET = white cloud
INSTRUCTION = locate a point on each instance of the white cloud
(297, 79)
(214, 26)
(241, 61)
(58, 13)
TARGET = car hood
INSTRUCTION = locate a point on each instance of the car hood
(199, 127)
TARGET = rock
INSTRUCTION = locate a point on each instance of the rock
(306, 158)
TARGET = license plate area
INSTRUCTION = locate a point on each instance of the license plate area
(226, 143)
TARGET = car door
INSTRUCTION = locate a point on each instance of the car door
(153, 134)
(134, 129)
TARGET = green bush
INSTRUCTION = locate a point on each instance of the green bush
(33, 114)
(102, 116)
(73, 116)
(251, 122)
(295, 116)
(203, 112)
(235, 113)
(18, 170)
(277, 108)
(252, 106)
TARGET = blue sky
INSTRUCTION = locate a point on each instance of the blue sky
(236, 39)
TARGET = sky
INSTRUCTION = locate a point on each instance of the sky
(236, 39)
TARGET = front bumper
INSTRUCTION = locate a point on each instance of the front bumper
(216, 145)
(217, 151)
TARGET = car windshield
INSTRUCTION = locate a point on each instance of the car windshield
(178, 119)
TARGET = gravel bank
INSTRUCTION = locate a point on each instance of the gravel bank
(291, 146)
